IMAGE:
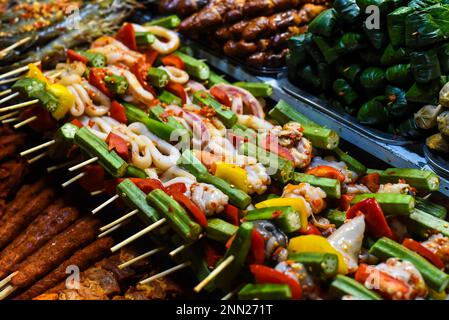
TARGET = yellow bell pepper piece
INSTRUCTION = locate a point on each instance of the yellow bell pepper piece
(297, 203)
(65, 97)
(35, 72)
(437, 295)
(315, 243)
(233, 174)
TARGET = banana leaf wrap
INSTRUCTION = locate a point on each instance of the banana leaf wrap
(349, 42)
(325, 24)
(425, 66)
(372, 78)
(312, 49)
(370, 56)
(344, 92)
(325, 75)
(396, 25)
(393, 55)
(348, 10)
(328, 52)
(421, 4)
(384, 6)
(373, 112)
(378, 37)
(397, 102)
(297, 52)
(349, 71)
(424, 93)
(309, 77)
(409, 129)
(443, 57)
(400, 75)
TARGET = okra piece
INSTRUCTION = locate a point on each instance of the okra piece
(215, 79)
(343, 285)
(324, 265)
(420, 179)
(63, 141)
(286, 218)
(228, 117)
(169, 98)
(175, 214)
(352, 163)
(257, 89)
(429, 221)
(169, 22)
(134, 172)
(281, 169)
(116, 84)
(162, 130)
(95, 60)
(385, 248)
(320, 137)
(390, 203)
(220, 230)
(239, 249)
(191, 163)
(95, 147)
(332, 187)
(156, 113)
(144, 39)
(336, 217)
(194, 67)
(428, 206)
(158, 77)
(265, 291)
(368, 171)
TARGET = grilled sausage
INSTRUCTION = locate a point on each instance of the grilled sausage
(42, 229)
(11, 175)
(267, 59)
(181, 7)
(55, 251)
(83, 258)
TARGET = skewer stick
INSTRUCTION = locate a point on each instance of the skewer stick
(138, 235)
(60, 166)
(11, 96)
(36, 148)
(54, 74)
(10, 120)
(101, 235)
(75, 178)
(97, 192)
(19, 105)
(25, 122)
(5, 51)
(16, 71)
(141, 257)
(6, 292)
(119, 220)
(104, 204)
(214, 273)
(5, 92)
(38, 157)
(9, 80)
(5, 281)
(174, 252)
(166, 272)
(82, 164)
(9, 115)
(232, 293)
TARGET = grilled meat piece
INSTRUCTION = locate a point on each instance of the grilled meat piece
(10, 141)
(182, 8)
(11, 175)
(55, 251)
(83, 258)
(12, 226)
(54, 220)
(159, 289)
(244, 48)
(267, 59)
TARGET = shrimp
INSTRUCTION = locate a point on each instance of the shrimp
(298, 272)
(439, 245)
(399, 188)
(313, 196)
(355, 189)
(207, 197)
(302, 154)
(258, 178)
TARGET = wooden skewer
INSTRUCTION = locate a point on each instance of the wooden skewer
(72, 180)
(232, 293)
(11, 96)
(16, 71)
(36, 158)
(5, 51)
(36, 148)
(101, 235)
(174, 252)
(5, 92)
(104, 204)
(10, 120)
(97, 192)
(60, 166)
(84, 163)
(214, 273)
(119, 220)
(54, 74)
(138, 235)
(9, 115)
(166, 272)
(25, 122)
(19, 105)
(9, 80)
(6, 292)
(141, 257)
(5, 281)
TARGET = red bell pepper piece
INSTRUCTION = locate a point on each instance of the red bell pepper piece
(264, 274)
(212, 256)
(173, 61)
(375, 220)
(345, 201)
(140, 70)
(127, 36)
(148, 185)
(231, 214)
(271, 144)
(311, 229)
(177, 187)
(151, 57)
(381, 281)
(72, 55)
(229, 242)
(423, 251)
(93, 179)
(326, 172)
(117, 111)
(77, 123)
(257, 247)
(96, 78)
(178, 90)
(199, 215)
(372, 181)
(117, 143)
(221, 96)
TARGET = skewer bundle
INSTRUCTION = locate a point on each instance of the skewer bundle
(180, 155)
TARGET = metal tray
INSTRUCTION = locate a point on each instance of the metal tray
(437, 162)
